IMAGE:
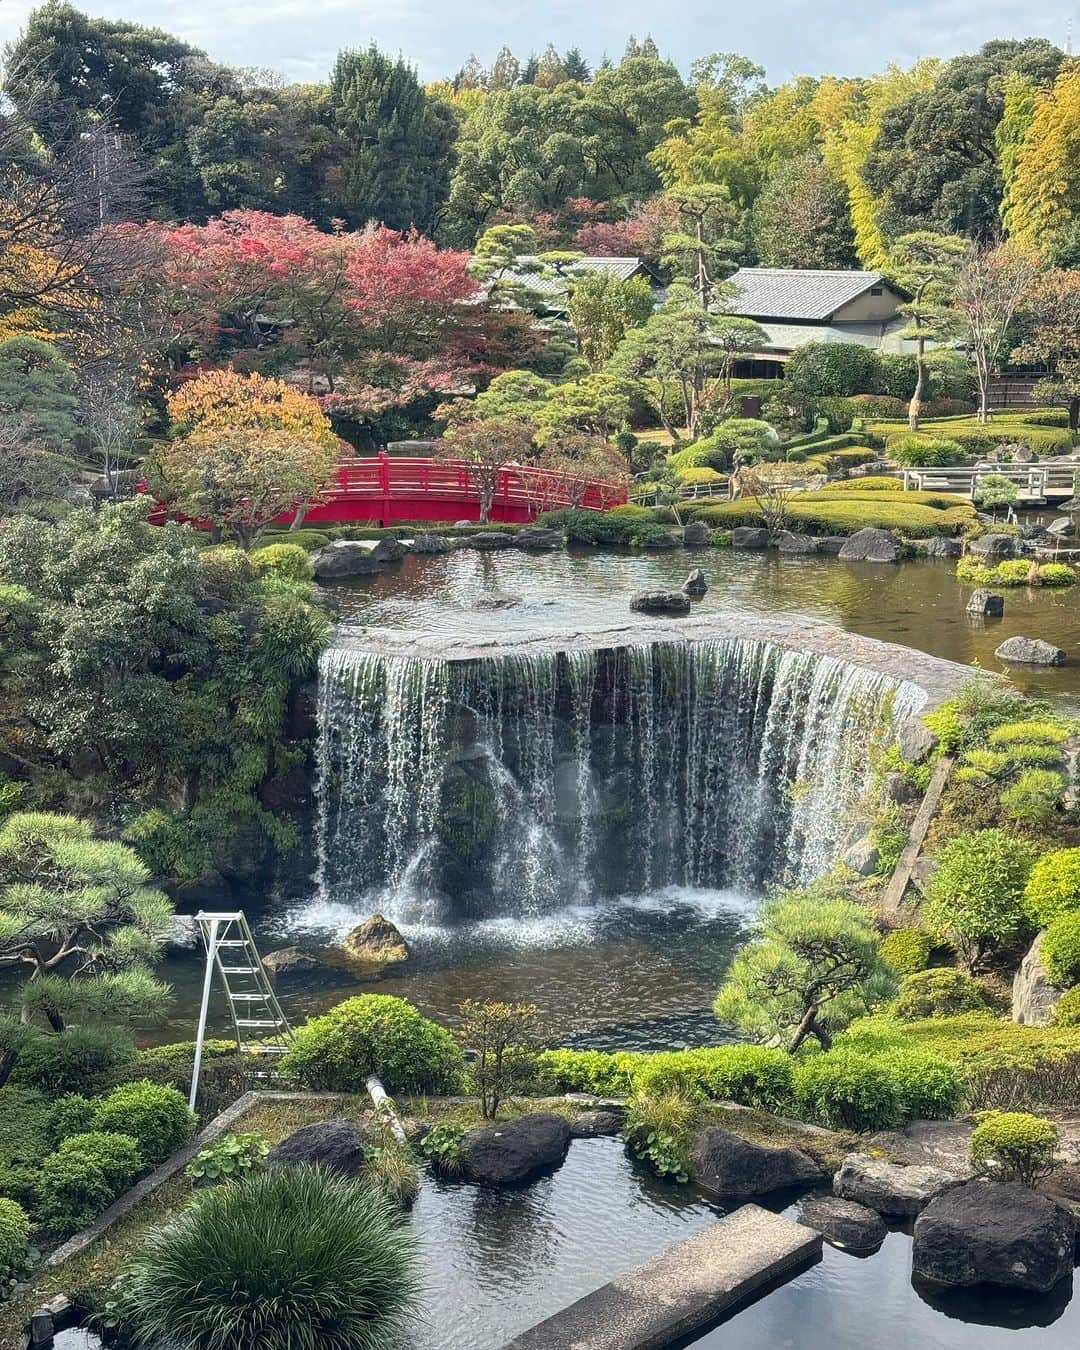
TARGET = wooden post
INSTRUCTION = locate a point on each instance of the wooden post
(384, 489)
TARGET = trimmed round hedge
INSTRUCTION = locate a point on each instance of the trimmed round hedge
(374, 1033)
(941, 992)
(1014, 1146)
(907, 949)
(155, 1116)
(1061, 950)
(1053, 888)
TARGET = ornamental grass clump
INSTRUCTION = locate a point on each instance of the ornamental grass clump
(290, 1259)
(1014, 1146)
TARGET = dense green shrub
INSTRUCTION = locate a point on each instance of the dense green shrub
(1067, 1010)
(846, 1091)
(587, 1071)
(602, 528)
(980, 440)
(77, 1059)
(72, 1192)
(374, 1033)
(1053, 888)
(71, 1114)
(1035, 733)
(284, 1260)
(976, 894)
(1046, 417)
(1061, 950)
(1034, 797)
(907, 949)
(14, 1236)
(157, 1118)
(912, 515)
(830, 369)
(282, 560)
(1014, 1146)
(930, 1086)
(116, 1154)
(751, 1075)
(1057, 574)
(1042, 756)
(940, 992)
(924, 451)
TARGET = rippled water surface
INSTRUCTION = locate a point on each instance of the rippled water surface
(497, 1263)
(918, 603)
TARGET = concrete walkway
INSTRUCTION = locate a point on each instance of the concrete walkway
(684, 1291)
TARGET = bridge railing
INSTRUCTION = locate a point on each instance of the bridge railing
(388, 488)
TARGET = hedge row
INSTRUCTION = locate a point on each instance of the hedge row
(977, 438)
(831, 513)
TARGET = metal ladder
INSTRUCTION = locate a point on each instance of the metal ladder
(260, 1026)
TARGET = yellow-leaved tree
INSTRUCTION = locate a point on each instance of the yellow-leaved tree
(228, 399)
(1042, 199)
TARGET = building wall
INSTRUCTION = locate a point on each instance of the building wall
(869, 308)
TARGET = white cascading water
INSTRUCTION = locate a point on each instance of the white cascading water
(519, 783)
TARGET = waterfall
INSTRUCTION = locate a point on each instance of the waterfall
(519, 783)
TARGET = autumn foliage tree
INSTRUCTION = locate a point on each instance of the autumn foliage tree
(486, 448)
(223, 400)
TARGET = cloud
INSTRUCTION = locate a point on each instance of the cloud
(301, 37)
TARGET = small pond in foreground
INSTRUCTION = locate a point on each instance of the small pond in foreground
(498, 1262)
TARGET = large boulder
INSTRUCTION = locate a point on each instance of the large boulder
(871, 545)
(831, 543)
(695, 583)
(940, 546)
(1034, 998)
(914, 740)
(890, 1188)
(696, 535)
(787, 541)
(660, 602)
(945, 1144)
(512, 1151)
(729, 1165)
(337, 1144)
(431, 543)
(369, 950)
(844, 1223)
(862, 857)
(1063, 527)
(994, 1232)
(389, 550)
(986, 603)
(1027, 651)
(289, 960)
(538, 537)
(749, 536)
(994, 546)
(345, 558)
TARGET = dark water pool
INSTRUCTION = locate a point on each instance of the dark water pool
(496, 1263)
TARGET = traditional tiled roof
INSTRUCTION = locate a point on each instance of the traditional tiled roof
(796, 293)
(551, 283)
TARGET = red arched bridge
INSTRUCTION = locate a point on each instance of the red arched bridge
(386, 489)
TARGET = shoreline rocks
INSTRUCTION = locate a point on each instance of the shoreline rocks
(844, 1224)
(337, 1144)
(994, 1232)
(1034, 998)
(749, 536)
(729, 1165)
(871, 545)
(660, 602)
(512, 1151)
(995, 546)
(890, 1188)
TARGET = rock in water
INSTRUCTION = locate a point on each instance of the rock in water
(695, 583)
(871, 545)
(888, 1187)
(729, 1165)
(787, 541)
(287, 960)
(512, 1151)
(1034, 998)
(344, 558)
(1027, 651)
(994, 546)
(431, 543)
(489, 539)
(1063, 527)
(986, 603)
(596, 1124)
(696, 535)
(942, 547)
(371, 947)
(844, 1223)
(389, 550)
(994, 1232)
(660, 602)
(338, 1145)
(661, 540)
(496, 600)
(748, 536)
(538, 537)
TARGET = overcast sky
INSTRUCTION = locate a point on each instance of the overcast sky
(789, 37)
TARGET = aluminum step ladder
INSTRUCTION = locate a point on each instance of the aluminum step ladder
(260, 1026)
